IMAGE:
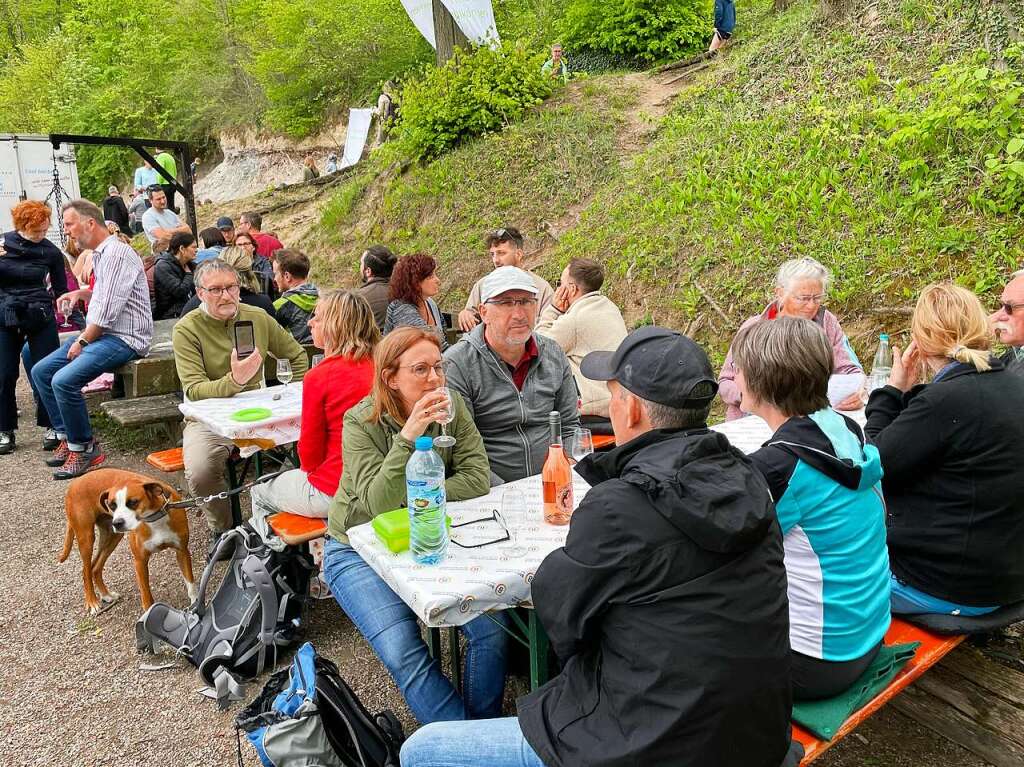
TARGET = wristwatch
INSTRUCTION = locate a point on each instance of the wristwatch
(81, 341)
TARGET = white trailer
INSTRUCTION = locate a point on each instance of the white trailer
(27, 162)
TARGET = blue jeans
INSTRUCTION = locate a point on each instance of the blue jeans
(59, 382)
(906, 600)
(491, 742)
(391, 628)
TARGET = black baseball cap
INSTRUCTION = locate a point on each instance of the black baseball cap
(225, 223)
(658, 364)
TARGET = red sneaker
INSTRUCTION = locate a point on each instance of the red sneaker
(60, 455)
(78, 463)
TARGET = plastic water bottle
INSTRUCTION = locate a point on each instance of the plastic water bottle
(882, 365)
(424, 483)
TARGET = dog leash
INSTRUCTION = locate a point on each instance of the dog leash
(200, 501)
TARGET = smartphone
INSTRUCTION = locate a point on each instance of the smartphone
(245, 341)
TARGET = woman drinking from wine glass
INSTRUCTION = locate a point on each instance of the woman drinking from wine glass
(378, 441)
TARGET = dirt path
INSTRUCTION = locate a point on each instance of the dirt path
(71, 692)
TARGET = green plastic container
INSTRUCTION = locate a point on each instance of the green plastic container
(392, 527)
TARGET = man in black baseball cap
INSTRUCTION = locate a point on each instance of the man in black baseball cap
(227, 228)
(667, 606)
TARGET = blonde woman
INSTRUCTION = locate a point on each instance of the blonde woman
(342, 325)
(951, 454)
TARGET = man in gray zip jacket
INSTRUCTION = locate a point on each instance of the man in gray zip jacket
(511, 378)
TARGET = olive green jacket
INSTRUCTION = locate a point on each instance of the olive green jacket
(375, 454)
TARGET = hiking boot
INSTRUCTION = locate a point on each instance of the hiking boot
(225, 555)
(6, 442)
(50, 441)
(78, 463)
(60, 454)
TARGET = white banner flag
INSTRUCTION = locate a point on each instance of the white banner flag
(355, 138)
(476, 20)
(474, 17)
(422, 14)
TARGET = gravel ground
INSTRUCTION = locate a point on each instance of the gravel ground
(72, 693)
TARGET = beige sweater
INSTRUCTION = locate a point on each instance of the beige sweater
(592, 324)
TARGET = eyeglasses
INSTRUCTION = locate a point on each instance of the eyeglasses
(1008, 308)
(494, 516)
(815, 298)
(219, 291)
(422, 369)
(508, 303)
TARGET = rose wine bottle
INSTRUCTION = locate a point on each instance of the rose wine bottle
(556, 477)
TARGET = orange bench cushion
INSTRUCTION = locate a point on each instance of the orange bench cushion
(167, 460)
(603, 440)
(933, 647)
(295, 529)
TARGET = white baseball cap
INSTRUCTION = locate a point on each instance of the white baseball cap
(506, 278)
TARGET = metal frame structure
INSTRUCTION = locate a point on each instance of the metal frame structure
(181, 148)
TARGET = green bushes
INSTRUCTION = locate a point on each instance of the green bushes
(965, 124)
(472, 94)
(649, 30)
(313, 56)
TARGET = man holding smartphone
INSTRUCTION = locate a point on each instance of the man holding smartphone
(219, 349)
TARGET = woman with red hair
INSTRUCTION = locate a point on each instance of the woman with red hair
(414, 283)
(26, 306)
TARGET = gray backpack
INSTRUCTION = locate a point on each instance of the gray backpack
(256, 614)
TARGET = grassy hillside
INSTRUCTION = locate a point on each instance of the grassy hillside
(885, 146)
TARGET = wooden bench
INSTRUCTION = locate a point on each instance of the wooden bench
(933, 648)
(169, 461)
(602, 441)
(161, 409)
(295, 529)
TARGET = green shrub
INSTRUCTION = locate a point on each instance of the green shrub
(472, 94)
(964, 125)
(649, 30)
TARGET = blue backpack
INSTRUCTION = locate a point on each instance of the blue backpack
(307, 716)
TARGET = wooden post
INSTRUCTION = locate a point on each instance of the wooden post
(447, 34)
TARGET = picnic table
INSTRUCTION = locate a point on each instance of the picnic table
(280, 427)
(474, 582)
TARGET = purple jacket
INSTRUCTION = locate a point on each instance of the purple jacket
(845, 358)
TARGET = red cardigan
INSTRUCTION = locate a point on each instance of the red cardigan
(328, 391)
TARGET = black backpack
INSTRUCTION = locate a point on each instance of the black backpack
(256, 614)
(307, 714)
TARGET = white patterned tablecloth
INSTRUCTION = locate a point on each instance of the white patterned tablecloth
(280, 428)
(750, 432)
(470, 582)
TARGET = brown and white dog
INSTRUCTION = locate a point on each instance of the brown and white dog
(112, 502)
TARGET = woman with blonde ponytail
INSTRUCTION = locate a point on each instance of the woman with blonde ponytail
(950, 452)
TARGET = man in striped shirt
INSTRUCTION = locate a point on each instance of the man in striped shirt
(119, 328)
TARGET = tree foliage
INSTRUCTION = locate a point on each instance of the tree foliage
(647, 29)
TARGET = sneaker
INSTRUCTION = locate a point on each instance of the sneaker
(6, 442)
(50, 441)
(78, 463)
(60, 454)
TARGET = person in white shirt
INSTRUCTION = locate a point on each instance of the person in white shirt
(580, 319)
(160, 222)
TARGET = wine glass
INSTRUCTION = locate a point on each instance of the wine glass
(445, 417)
(513, 507)
(581, 444)
(284, 373)
(317, 359)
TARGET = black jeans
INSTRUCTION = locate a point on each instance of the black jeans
(814, 679)
(41, 341)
